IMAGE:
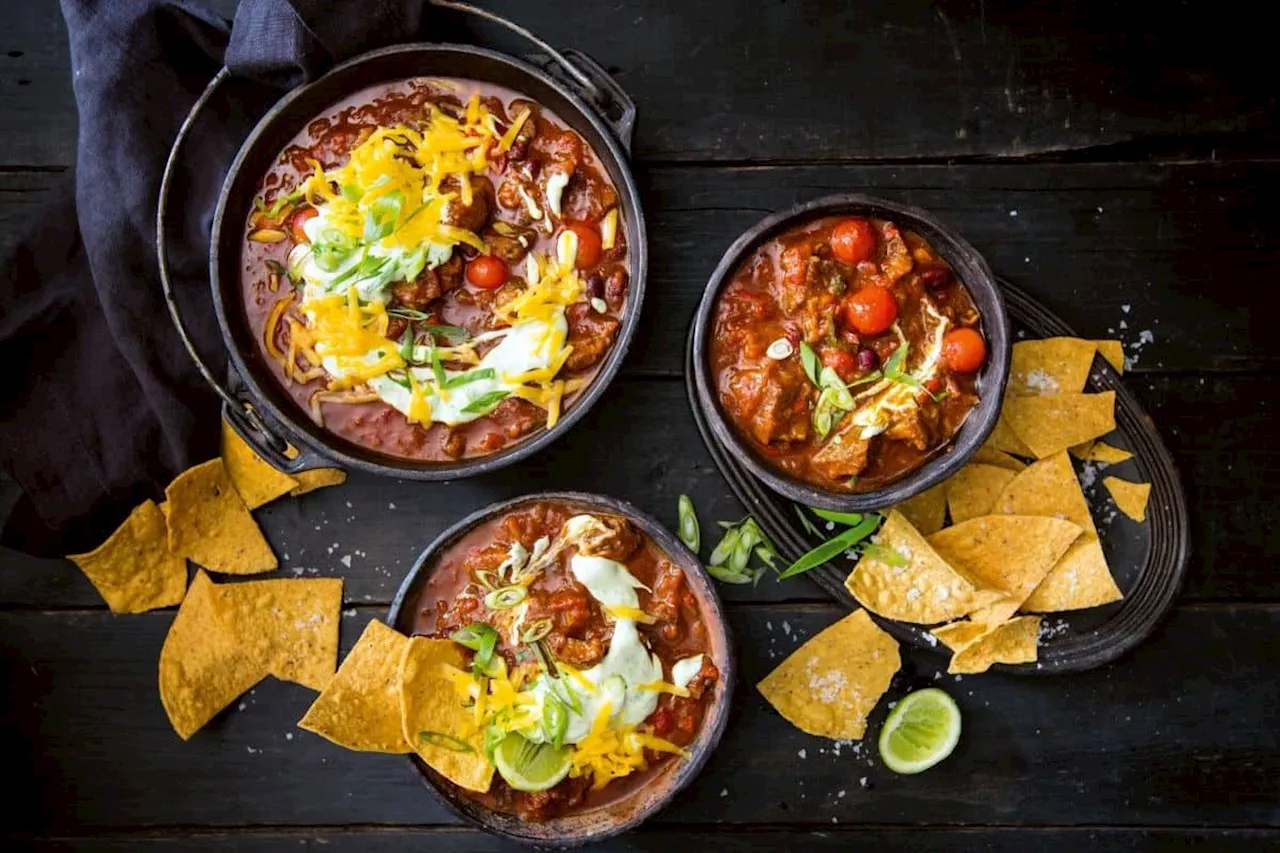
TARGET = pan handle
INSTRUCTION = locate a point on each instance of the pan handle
(583, 73)
(240, 412)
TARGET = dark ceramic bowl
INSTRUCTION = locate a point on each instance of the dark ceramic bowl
(969, 267)
(631, 810)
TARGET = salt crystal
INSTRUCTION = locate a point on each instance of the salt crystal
(724, 792)
(841, 793)
(913, 594)
(863, 781)
(1125, 308)
(802, 754)
(786, 627)
(1013, 213)
(346, 560)
(391, 506)
(1042, 381)
(288, 735)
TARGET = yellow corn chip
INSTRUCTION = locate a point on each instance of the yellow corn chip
(291, 624)
(927, 511)
(922, 589)
(318, 478)
(957, 635)
(1011, 553)
(988, 455)
(209, 523)
(1106, 454)
(203, 668)
(435, 724)
(1131, 498)
(973, 490)
(360, 707)
(1081, 451)
(1003, 438)
(1009, 642)
(1050, 366)
(254, 478)
(1113, 352)
(134, 570)
(1081, 578)
(1052, 423)
(829, 686)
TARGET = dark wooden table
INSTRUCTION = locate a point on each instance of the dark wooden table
(1116, 163)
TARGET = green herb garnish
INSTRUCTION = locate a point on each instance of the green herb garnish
(486, 403)
(726, 574)
(481, 639)
(849, 518)
(445, 741)
(688, 530)
(453, 335)
(832, 547)
(471, 376)
(809, 361)
(506, 597)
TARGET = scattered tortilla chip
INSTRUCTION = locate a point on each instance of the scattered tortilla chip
(1003, 438)
(318, 478)
(428, 704)
(1081, 578)
(1113, 352)
(257, 481)
(973, 490)
(1052, 423)
(988, 455)
(209, 523)
(1106, 454)
(1082, 451)
(922, 588)
(1131, 498)
(829, 686)
(291, 624)
(1010, 642)
(1050, 366)
(203, 668)
(360, 706)
(1011, 553)
(134, 570)
(927, 511)
(957, 635)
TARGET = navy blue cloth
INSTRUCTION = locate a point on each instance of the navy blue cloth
(100, 405)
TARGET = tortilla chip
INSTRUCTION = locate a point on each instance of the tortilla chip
(133, 570)
(360, 707)
(973, 490)
(257, 481)
(209, 523)
(927, 511)
(829, 686)
(1009, 642)
(318, 478)
(925, 590)
(1106, 454)
(1082, 451)
(203, 668)
(957, 635)
(1131, 498)
(290, 624)
(1003, 438)
(1081, 578)
(428, 703)
(1053, 423)
(1011, 553)
(988, 455)
(1113, 352)
(1050, 366)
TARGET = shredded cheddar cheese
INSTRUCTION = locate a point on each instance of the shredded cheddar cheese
(608, 753)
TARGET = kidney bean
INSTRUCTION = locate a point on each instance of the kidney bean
(595, 286)
(935, 278)
(615, 288)
(867, 359)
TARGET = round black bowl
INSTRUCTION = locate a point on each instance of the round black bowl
(968, 266)
(631, 810)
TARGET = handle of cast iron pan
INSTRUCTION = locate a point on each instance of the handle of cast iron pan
(245, 418)
(593, 82)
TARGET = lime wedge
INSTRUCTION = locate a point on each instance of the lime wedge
(921, 731)
(529, 766)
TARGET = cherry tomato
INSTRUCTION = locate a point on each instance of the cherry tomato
(487, 272)
(935, 385)
(963, 350)
(845, 364)
(588, 244)
(870, 310)
(301, 217)
(853, 240)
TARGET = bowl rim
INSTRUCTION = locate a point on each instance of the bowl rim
(331, 446)
(974, 273)
(714, 721)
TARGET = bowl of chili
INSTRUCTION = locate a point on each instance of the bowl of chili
(852, 352)
(612, 608)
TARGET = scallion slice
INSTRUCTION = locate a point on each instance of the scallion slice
(689, 531)
(506, 597)
(445, 741)
(829, 549)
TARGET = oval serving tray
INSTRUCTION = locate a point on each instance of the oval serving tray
(1148, 559)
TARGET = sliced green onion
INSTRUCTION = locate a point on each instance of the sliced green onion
(494, 734)
(277, 268)
(481, 639)
(408, 313)
(488, 578)
(536, 631)
(351, 193)
(881, 554)
(555, 720)
(727, 574)
(688, 532)
(831, 548)
(406, 347)
(849, 518)
(445, 741)
(486, 403)
(809, 360)
(766, 556)
(807, 524)
(506, 597)
(437, 368)
(727, 545)
(452, 335)
(471, 376)
(565, 694)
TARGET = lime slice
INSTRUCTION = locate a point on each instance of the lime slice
(529, 766)
(921, 731)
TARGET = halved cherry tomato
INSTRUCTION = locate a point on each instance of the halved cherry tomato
(935, 385)
(963, 350)
(845, 364)
(588, 244)
(301, 217)
(487, 272)
(853, 240)
(870, 310)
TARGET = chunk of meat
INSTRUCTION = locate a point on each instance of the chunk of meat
(571, 610)
(538, 806)
(896, 261)
(527, 526)
(430, 285)
(793, 280)
(517, 416)
(664, 606)
(591, 335)
(844, 455)
(579, 653)
(773, 398)
(619, 543)
(486, 558)
(706, 676)
(396, 327)
(473, 216)
(615, 289)
(909, 425)
(508, 242)
(520, 194)
(454, 444)
(818, 316)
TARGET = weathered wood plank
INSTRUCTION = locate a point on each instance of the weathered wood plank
(831, 81)
(640, 444)
(834, 838)
(1178, 734)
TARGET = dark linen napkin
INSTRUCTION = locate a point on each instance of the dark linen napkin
(100, 405)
